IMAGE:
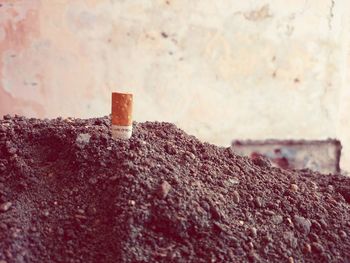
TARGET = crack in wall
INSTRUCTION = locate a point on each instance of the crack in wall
(331, 14)
(328, 84)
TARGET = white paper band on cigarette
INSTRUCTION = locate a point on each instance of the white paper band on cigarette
(121, 132)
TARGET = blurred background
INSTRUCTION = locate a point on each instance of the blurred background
(221, 70)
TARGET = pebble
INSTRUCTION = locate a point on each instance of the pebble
(253, 257)
(313, 236)
(235, 197)
(277, 219)
(307, 248)
(316, 226)
(253, 231)
(323, 223)
(12, 150)
(290, 239)
(302, 224)
(60, 231)
(16, 233)
(342, 234)
(131, 202)
(269, 212)
(267, 238)
(294, 188)
(46, 213)
(113, 178)
(80, 216)
(233, 181)
(93, 180)
(330, 188)
(215, 212)
(7, 117)
(261, 161)
(2, 167)
(258, 202)
(170, 149)
(205, 205)
(83, 139)
(5, 206)
(313, 186)
(91, 210)
(291, 260)
(219, 227)
(317, 247)
(165, 187)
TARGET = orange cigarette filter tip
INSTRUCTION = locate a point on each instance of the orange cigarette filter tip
(122, 115)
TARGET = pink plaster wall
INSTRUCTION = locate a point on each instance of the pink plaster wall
(19, 25)
(277, 69)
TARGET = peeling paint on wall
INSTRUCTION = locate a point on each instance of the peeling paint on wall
(19, 24)
(259, 14)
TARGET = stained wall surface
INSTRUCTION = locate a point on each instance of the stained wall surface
(221, 70)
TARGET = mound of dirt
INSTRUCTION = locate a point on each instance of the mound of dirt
(70, 193)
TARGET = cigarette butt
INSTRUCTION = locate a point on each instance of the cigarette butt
(122, 115)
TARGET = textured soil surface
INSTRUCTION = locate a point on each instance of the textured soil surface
(70, 193)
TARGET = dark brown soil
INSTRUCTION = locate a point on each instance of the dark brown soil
(70, 193)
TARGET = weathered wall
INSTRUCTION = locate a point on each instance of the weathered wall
(219, 69)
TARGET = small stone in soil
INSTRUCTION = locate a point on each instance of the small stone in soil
(317, 247)
(5, 206)
(253, 231)
(12, 150)
(313, 236)
(215, 212)
(277, 219)
(316, 226)
(307, 248)
(83, 139)
(93, 180)
(113, 178)
(294, 187)
(342, 234)
(323, 223)
(164, 189)
(269, 212)
(46, 213)
(302, 224)
(233, 181)
(290, 239)
(258, 202)
(261, 161)
(235, 196)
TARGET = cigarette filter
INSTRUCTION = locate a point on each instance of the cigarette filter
(121, 115)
